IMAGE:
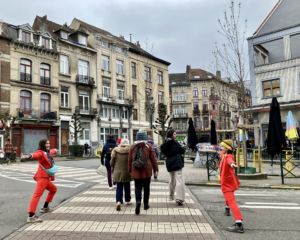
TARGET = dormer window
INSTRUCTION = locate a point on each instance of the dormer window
(45, 42)
(82, 39)
(26, 37)
(63, 35)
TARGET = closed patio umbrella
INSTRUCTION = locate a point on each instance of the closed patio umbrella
(291, 129)
(213, 133)
(275, 139)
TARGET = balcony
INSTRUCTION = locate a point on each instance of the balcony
(213, 97)
(205, 111)
(85, 80)
(86, 112)
(33, 114)
(112, 100)
(196, 112)
(45, 80)
(180, 115)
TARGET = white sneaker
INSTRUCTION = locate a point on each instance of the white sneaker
(34, 219)
(128, 203)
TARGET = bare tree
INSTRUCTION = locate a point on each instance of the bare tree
(231, 54)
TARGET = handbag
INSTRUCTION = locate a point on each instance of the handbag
(51, 171)
(174, 163)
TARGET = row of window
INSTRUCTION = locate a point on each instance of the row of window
(27, 37)
(26, 102)
(26, 72)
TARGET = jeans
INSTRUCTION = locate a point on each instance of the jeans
(109, 180)
(139, 185)
(119, 192)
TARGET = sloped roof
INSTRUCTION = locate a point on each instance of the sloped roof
(284, 15)
(197, 73)
(132, 47)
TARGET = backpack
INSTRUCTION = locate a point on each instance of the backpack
(140, 160)
(107, 155)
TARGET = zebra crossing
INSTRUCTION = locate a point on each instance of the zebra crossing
(69, 177)
(93, 214)
(262, 199)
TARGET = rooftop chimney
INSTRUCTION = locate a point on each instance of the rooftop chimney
(218, 74)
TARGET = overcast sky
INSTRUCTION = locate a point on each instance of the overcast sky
(179, 31)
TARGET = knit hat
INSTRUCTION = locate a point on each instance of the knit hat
(141, 136)
(124, 141)
(228, 144)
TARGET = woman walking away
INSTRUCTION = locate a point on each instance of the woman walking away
(43, 179)
(121, 176)
(229, 184)
(174, 163)
(106, 157)
(141, 163)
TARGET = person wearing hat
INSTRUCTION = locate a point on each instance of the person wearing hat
(142, 174)
(229, 184)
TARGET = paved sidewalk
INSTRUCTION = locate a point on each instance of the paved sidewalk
(92, 215)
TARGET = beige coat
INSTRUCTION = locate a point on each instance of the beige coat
(119, 163)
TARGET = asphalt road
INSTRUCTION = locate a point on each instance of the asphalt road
(268, 214)
(17, 187)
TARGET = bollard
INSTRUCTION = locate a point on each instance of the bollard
(289, 164)
(257, 162)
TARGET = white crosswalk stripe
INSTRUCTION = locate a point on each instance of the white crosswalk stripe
(70, 177)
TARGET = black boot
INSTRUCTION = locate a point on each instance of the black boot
(227, 211)
(137, 208)
(146, 206)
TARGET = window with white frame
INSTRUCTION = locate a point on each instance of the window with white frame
(125, 114)
(83, 68)
(64, 64)
(105, 63)
(160, 97)
(120, 90)
(271, 88)
(204, 92)
(64, 96)
(45, 42)
(147, 74)
(120, 67)
(179, 97)
(160, 77)
(86, 131)
(82, 39)
(104, 44)
(84, 101)
(63, 35)
(106, 89)
(195, 92)
(180, 110)
(26, 36)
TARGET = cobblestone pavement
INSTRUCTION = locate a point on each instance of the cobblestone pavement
(92, 215)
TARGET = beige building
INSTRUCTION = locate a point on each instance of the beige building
(77, 82)
(203, 96)
(33, 85)
(131, 83)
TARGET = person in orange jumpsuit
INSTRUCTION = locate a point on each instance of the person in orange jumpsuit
(229, 184)
(44, 182)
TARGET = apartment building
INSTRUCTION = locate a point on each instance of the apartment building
(274, 56)
(33, 86)
(77, 82)
(203, 96)
(131, 84)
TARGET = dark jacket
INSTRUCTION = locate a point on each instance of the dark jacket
(174, 153)
(106, 151)
(152, 161)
